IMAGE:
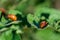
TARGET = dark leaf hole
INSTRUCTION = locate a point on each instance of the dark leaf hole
(19, 17)
(37, 24)
(46, 15)
(57, 21)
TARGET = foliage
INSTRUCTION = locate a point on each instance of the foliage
(29, 14)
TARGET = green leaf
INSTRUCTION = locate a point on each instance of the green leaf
(53, 13)
(17, 37)
(14, 12)
(54, 17)
(47, 34)
(3, 20)
(30, 19)
(6, 35)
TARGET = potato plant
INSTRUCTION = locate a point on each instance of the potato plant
(29, 20)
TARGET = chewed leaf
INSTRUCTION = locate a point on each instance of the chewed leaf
(53, 13)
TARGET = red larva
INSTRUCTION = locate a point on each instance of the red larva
(3, 10)
(43, 24)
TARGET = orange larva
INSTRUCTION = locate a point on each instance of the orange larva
(12, 17)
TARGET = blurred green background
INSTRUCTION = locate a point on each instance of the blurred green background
(26, 7)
